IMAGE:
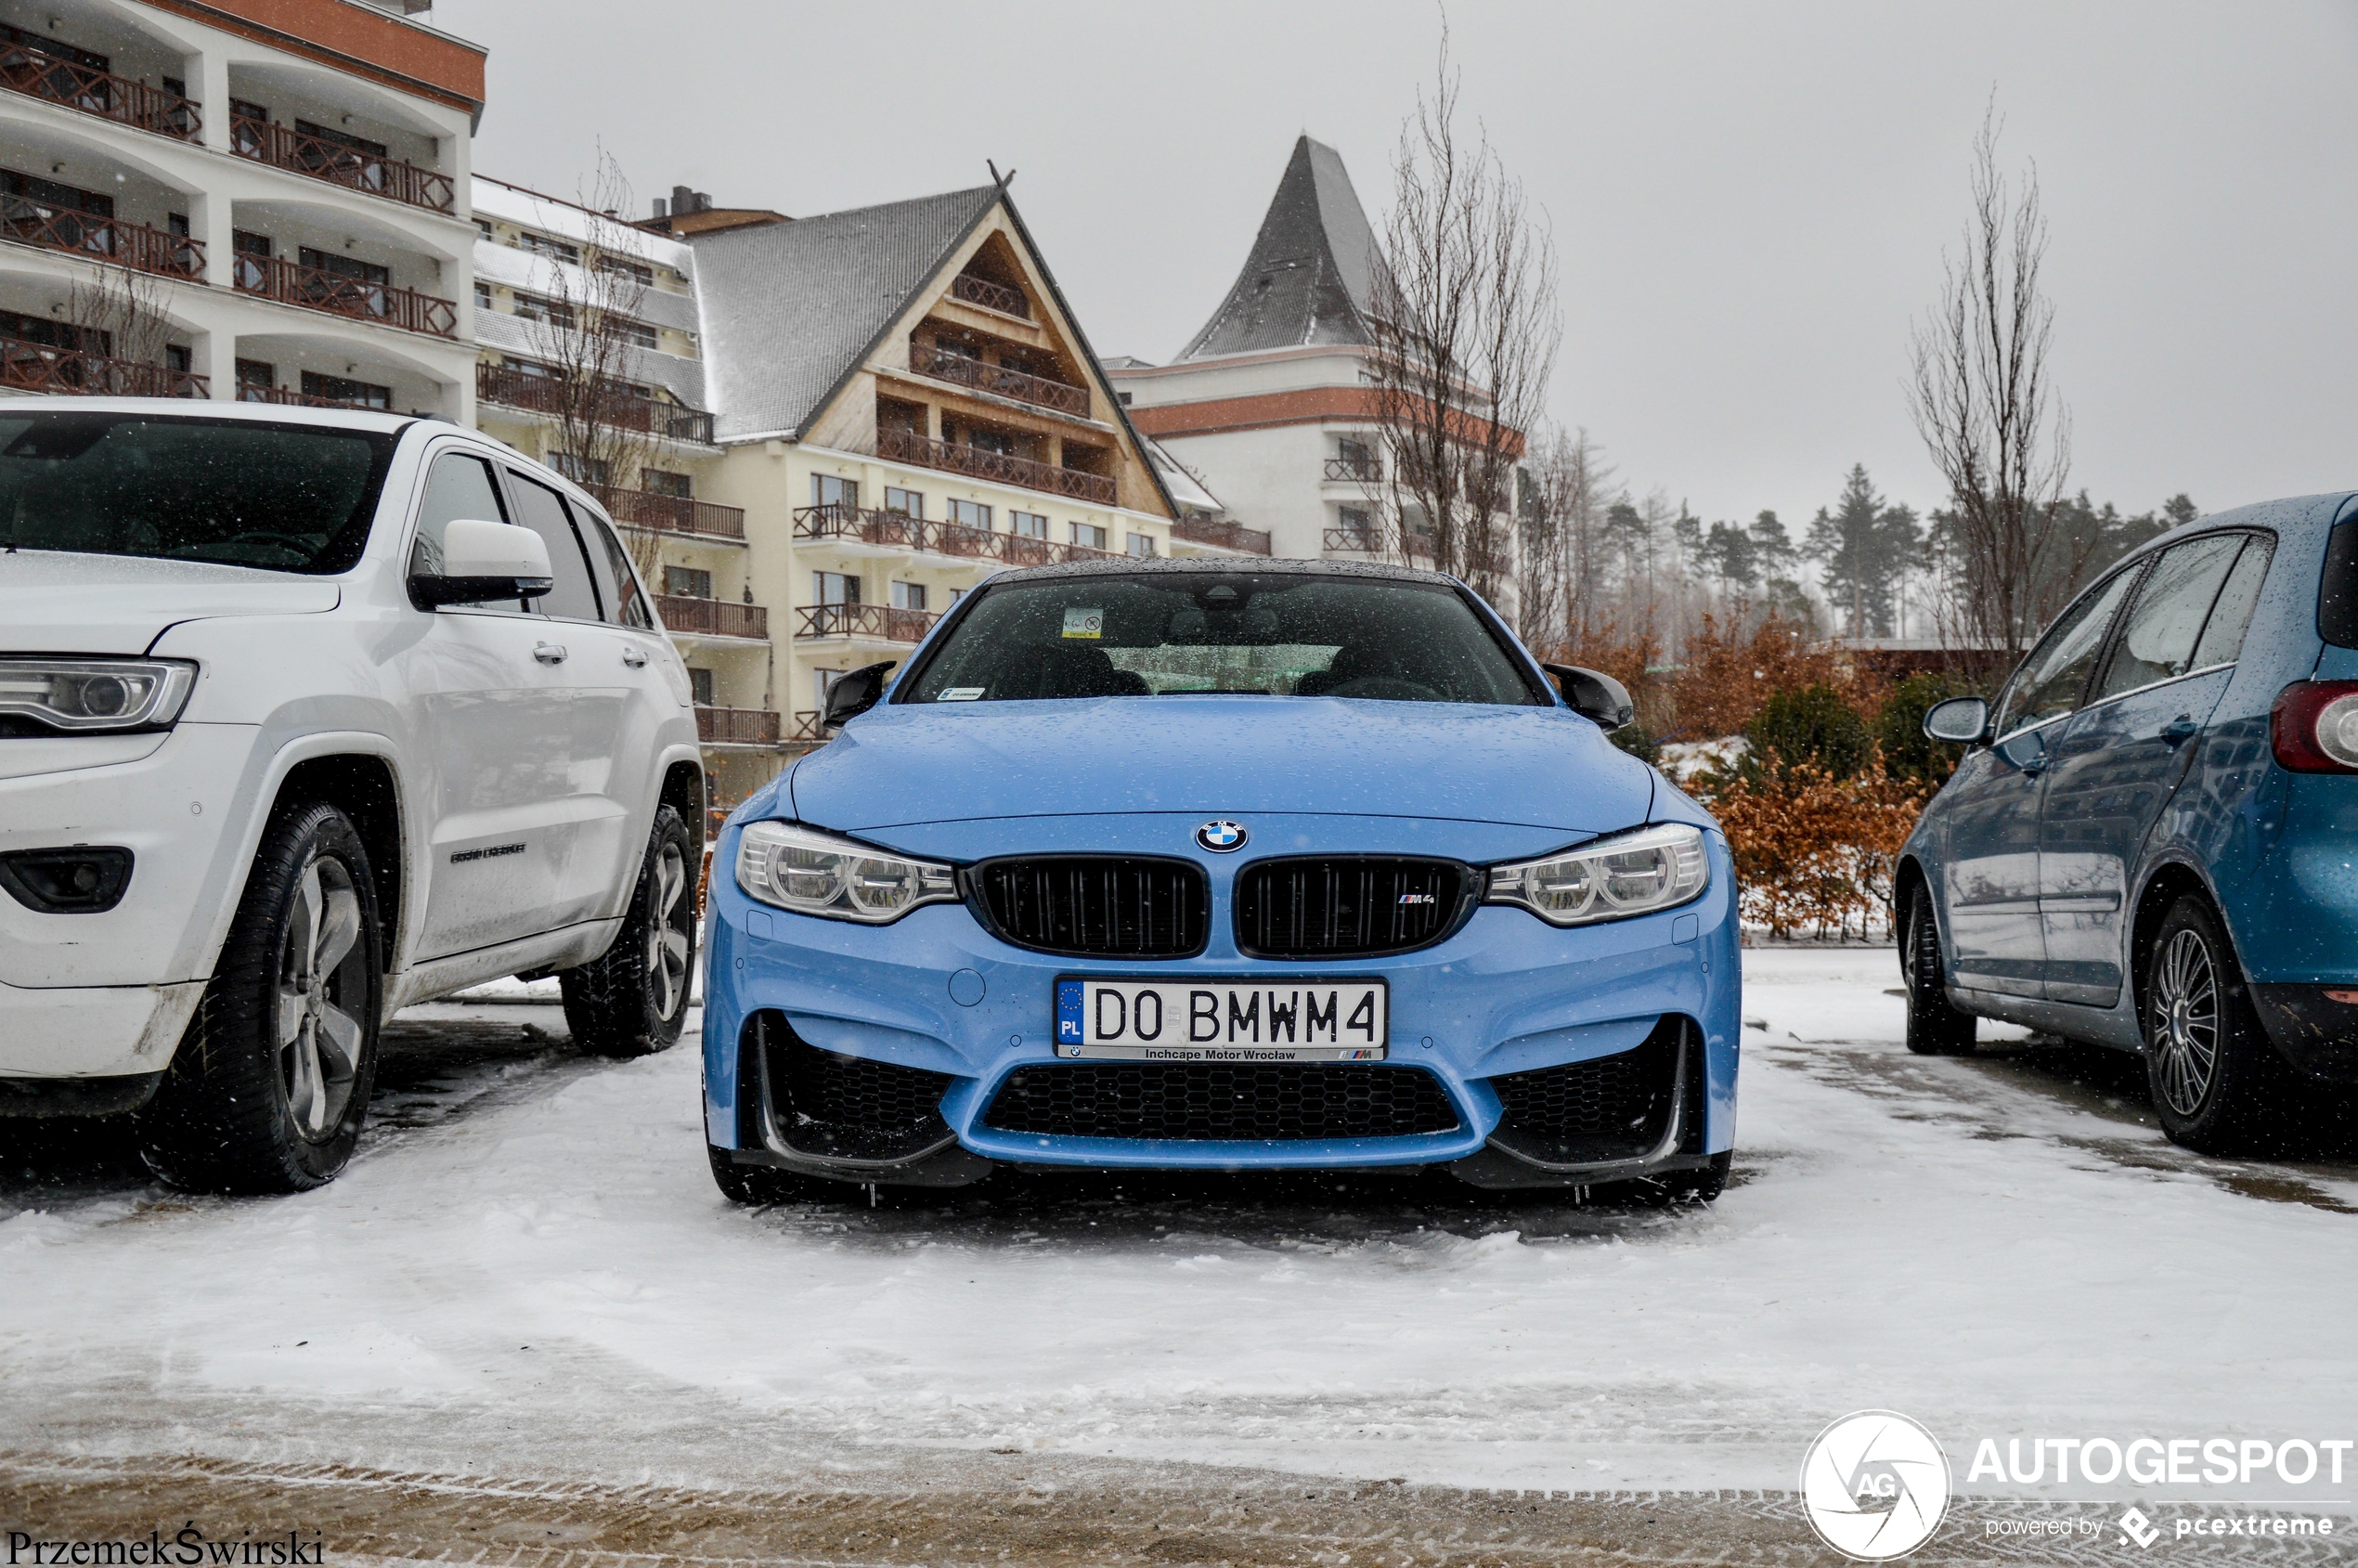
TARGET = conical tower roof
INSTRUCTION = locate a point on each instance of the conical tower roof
(1309, 277)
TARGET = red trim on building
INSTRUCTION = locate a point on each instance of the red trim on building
(355, 39)
(1309, 406)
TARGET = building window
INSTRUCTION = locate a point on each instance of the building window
(908, 596)
(996, 442)
(687, 582)
(542, 245)
(826, 489)
(592, 474)
(632, 330)
(1142, 546)
(638, 272)
(700, 686)
(177, 356)
(662, 481)
(343, 389)
(909, 503)
(257, 380)
(1088, 536)
(974, 514)
(821, 682)
(483, 228)
(1030, 524)
(956, 594)
(1124, 398)
(1358, 526)
(483, 296)
(835, 588)
(1354, 454)
(556, 313)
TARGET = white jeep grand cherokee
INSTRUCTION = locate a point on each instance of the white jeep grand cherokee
(305, 717)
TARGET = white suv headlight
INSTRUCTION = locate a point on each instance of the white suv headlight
(818, 874)
(83, 695)
(1610, 878)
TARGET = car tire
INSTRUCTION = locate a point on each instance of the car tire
(2218, 1086)
(270, 1084)
(631, 1001)
(758, 1185)
(1935, 1027)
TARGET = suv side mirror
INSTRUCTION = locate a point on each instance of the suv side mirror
(485, 560)
(1594, 695)
(854, 693)
(1960, 720)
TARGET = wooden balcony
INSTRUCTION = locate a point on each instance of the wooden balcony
(294, 398)
(677, 514)
(872, 623)
(990, 296)
(36, 367)
(808, 729)
(736, 726)
(392, 179)
(1361, 471)
(315, 287)
(545, 394)
(1021, 385)
(712, 617)
(898, 530)
(1416, 548)
(36, 74)
(905, 445)
(134, 245)
(1219, 531)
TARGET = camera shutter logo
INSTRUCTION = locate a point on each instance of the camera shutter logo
(1874, 1485)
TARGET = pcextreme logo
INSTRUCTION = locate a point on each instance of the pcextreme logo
(1874, 1485)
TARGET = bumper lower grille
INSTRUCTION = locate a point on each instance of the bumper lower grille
(1206, 1101)
(1609, 1108)
(1347, 906)
(836, 1107)
(1096, 906)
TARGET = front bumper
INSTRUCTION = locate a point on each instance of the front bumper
(1507, 995)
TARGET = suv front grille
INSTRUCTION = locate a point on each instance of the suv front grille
(1092, 906)
(1608, 1107)
(1347, 906)
(1204, 1101)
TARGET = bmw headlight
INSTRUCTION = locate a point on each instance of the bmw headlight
(1608, 878)
(812, 873)
(82, 695)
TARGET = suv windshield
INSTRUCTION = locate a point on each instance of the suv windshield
(1262, 634)
(285, 497)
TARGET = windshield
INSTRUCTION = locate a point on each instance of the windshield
(1262, 633)
(282, 496)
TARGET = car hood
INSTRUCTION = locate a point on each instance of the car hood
(1536, 767)
(55, 601)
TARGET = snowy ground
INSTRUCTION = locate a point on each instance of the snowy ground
(527, 1269)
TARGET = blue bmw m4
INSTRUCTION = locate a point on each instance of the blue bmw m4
(1198, 865)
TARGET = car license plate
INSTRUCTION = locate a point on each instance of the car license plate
(1222, 1020)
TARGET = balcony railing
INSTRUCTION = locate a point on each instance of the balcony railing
(37, 367)
(1415, 547)
(896, 530)
(545, 394)
(736, 726)
(905, 445)
(393, 178)
(713, 617)
(990, 295)
(676, 514)
(98, 92)
(808, 727)
(1362, 471)
(878, 623)
(133, 245)
(1022, 385)
(249, 391)
(315, 287)
(1219, 531)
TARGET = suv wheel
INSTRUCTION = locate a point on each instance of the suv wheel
(270, 1086)
(1934, 1028)
(2217, 1083)
(632, 1001)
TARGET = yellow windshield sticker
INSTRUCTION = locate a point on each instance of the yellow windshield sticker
(1089, 624)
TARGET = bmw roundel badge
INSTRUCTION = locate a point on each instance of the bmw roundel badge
(1221, 836)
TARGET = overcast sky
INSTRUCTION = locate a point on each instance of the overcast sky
(1751, 200)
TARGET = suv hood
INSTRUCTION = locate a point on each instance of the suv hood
(53, 601)
(898, 765)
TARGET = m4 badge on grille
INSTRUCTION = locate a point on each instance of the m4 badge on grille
(1419, 899)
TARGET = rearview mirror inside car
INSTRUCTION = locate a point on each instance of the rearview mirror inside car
(855, 691)
(1960, 720)
(1593, 694)
(485, 561)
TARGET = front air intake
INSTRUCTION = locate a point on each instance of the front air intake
(1221, 1101)
(1094, 906)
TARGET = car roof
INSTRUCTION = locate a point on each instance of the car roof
(1222, 566)
(259, 413)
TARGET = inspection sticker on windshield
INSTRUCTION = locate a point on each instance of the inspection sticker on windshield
(1085, 623)
(1222, 1020)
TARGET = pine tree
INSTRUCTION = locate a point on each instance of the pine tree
(1863, 545)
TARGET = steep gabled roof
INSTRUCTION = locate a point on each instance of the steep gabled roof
(790, 309)
(1311, 276)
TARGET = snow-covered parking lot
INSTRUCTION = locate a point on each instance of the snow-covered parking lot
(528, 1273)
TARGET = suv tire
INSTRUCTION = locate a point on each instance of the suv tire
(270, 1084)
(631, 1001)
(2218, 1086)
(1934, 1028)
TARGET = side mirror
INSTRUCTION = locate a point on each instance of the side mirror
(1594, 695)
(1960, 720)
(485, 561)
(854, 693)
